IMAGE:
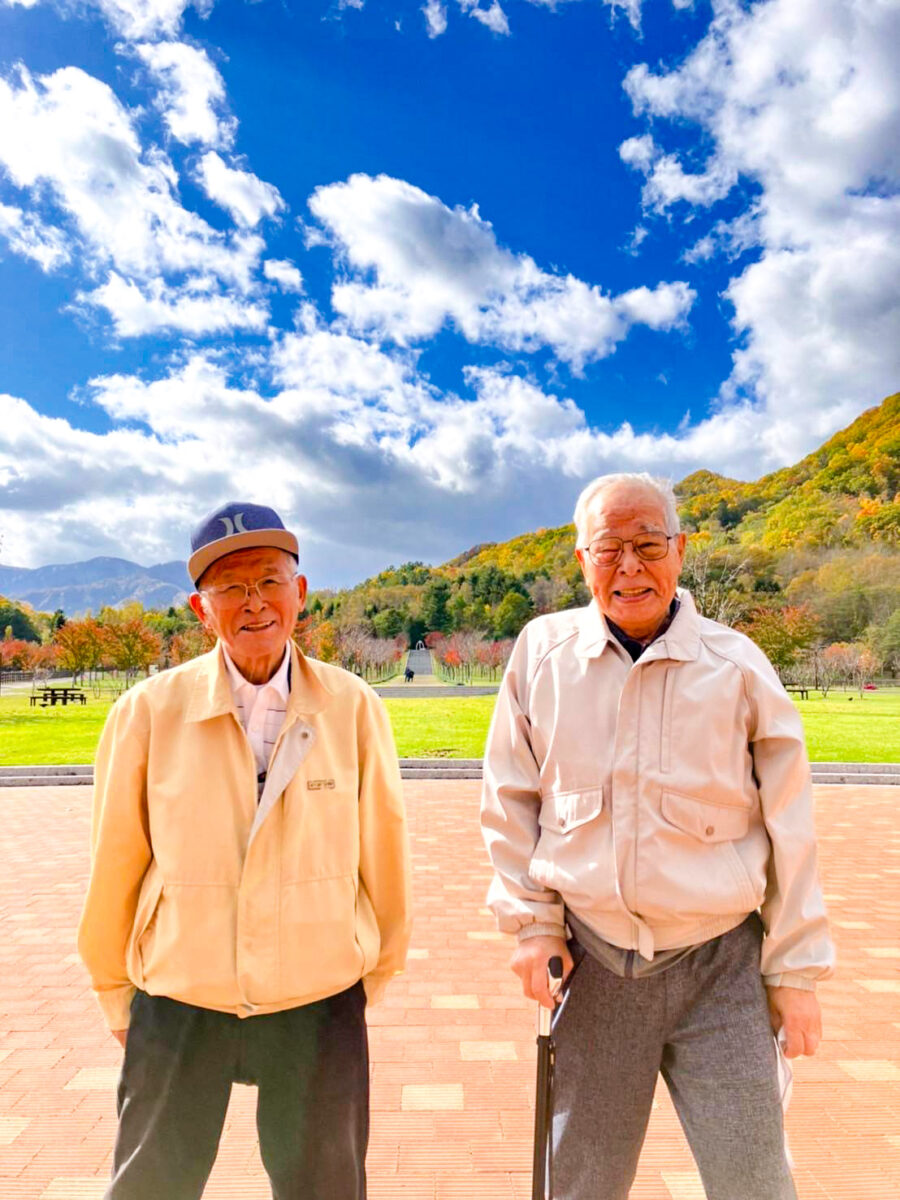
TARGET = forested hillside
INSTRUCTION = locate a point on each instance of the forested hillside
(807, 555)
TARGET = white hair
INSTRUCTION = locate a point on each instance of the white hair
(597, 487)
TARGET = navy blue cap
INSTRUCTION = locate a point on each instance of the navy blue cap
(237, 525)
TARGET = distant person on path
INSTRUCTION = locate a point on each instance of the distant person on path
(409, 675)
(648, 812)
(249, 886)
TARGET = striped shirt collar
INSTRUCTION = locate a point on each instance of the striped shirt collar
(279, 680)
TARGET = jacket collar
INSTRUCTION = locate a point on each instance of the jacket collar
(681, 641)
(212, 695)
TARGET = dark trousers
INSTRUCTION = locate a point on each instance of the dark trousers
(310, 1065)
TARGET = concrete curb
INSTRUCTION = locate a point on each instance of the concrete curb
(883, 774)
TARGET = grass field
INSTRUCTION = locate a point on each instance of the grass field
(843, 728)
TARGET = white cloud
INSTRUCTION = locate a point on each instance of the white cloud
(191, 92)
(800, 100)
(668, 182)
(493, 18)
(27, 236)
(136, 19)
(357, 450)
(283, 272)
(246, 197)
(435, 18)
(136, 311)
(417, 264)
(66, 138)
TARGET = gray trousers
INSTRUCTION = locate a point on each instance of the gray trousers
(703, 1023)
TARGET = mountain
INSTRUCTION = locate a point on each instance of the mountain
(846, 493)
(80, 587)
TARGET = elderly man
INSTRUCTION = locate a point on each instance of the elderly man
(249, 886)
(647, 792)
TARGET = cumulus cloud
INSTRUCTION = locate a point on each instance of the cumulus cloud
(416, 264)
(356, 448)
(283, 272)
(435, 18)
(66, 138)
(191, 92)
(136, 19)
(800, 102)
(29, 237)
(245, 196)
(153, 307)
(493, 17)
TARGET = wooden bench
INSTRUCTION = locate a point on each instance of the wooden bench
(802, 692)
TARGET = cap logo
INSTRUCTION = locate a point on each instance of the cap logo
(233, 526)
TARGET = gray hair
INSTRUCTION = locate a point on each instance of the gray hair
(662, 488)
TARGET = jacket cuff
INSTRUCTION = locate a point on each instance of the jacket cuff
(802, 982)
(536, 930)
(116, 1006)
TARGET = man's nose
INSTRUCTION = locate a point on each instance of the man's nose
(629, 562)
(254, 601)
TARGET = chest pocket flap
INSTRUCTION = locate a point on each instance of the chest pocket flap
(565, 811)
(706, 821)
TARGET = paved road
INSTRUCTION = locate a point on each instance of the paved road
(420, 662)
(453, 1044)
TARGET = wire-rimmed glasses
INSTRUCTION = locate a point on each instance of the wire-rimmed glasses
(650, 546)
(235, 595)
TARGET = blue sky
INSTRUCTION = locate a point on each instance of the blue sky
(414, 273)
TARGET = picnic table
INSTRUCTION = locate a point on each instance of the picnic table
(803, 692)
(46, 696)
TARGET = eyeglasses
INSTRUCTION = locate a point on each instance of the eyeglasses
(650, 546)
(234, 595)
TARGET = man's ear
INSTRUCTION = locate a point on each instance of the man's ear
(195, 600)
(302, 591)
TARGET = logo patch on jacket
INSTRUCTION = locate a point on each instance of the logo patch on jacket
(316, 785)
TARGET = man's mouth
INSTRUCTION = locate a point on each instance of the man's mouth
(632, 593)
(256, 626)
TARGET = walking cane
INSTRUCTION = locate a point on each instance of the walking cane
(540, 1176)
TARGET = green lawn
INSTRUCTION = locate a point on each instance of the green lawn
(843, 728)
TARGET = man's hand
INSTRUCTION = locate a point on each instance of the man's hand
(530, 964)
(798, 1013)
(121, 1036)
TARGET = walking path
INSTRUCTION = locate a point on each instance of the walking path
(453, 1044)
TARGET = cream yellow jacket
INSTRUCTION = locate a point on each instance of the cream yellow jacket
(660, 801)
(200, 893)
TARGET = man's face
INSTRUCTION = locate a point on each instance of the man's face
(635, 594)
(253, 628)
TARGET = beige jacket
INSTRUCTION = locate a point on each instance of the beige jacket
(200, 893)
(660, 801)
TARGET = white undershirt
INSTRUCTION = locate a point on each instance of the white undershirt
(260, 707)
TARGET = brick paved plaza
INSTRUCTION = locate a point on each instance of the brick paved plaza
(452, 1047)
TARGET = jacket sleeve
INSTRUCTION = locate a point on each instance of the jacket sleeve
(510, 805)
(120, 856)
(384, 865)
(797, 948)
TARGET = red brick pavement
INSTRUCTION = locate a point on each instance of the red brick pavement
(452, 1046)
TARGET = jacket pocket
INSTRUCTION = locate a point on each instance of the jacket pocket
(561, 812)
(144, 925)
(706, 821)
(706, 863)
(574, 853)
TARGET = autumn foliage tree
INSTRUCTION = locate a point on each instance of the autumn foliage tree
(80, 645)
